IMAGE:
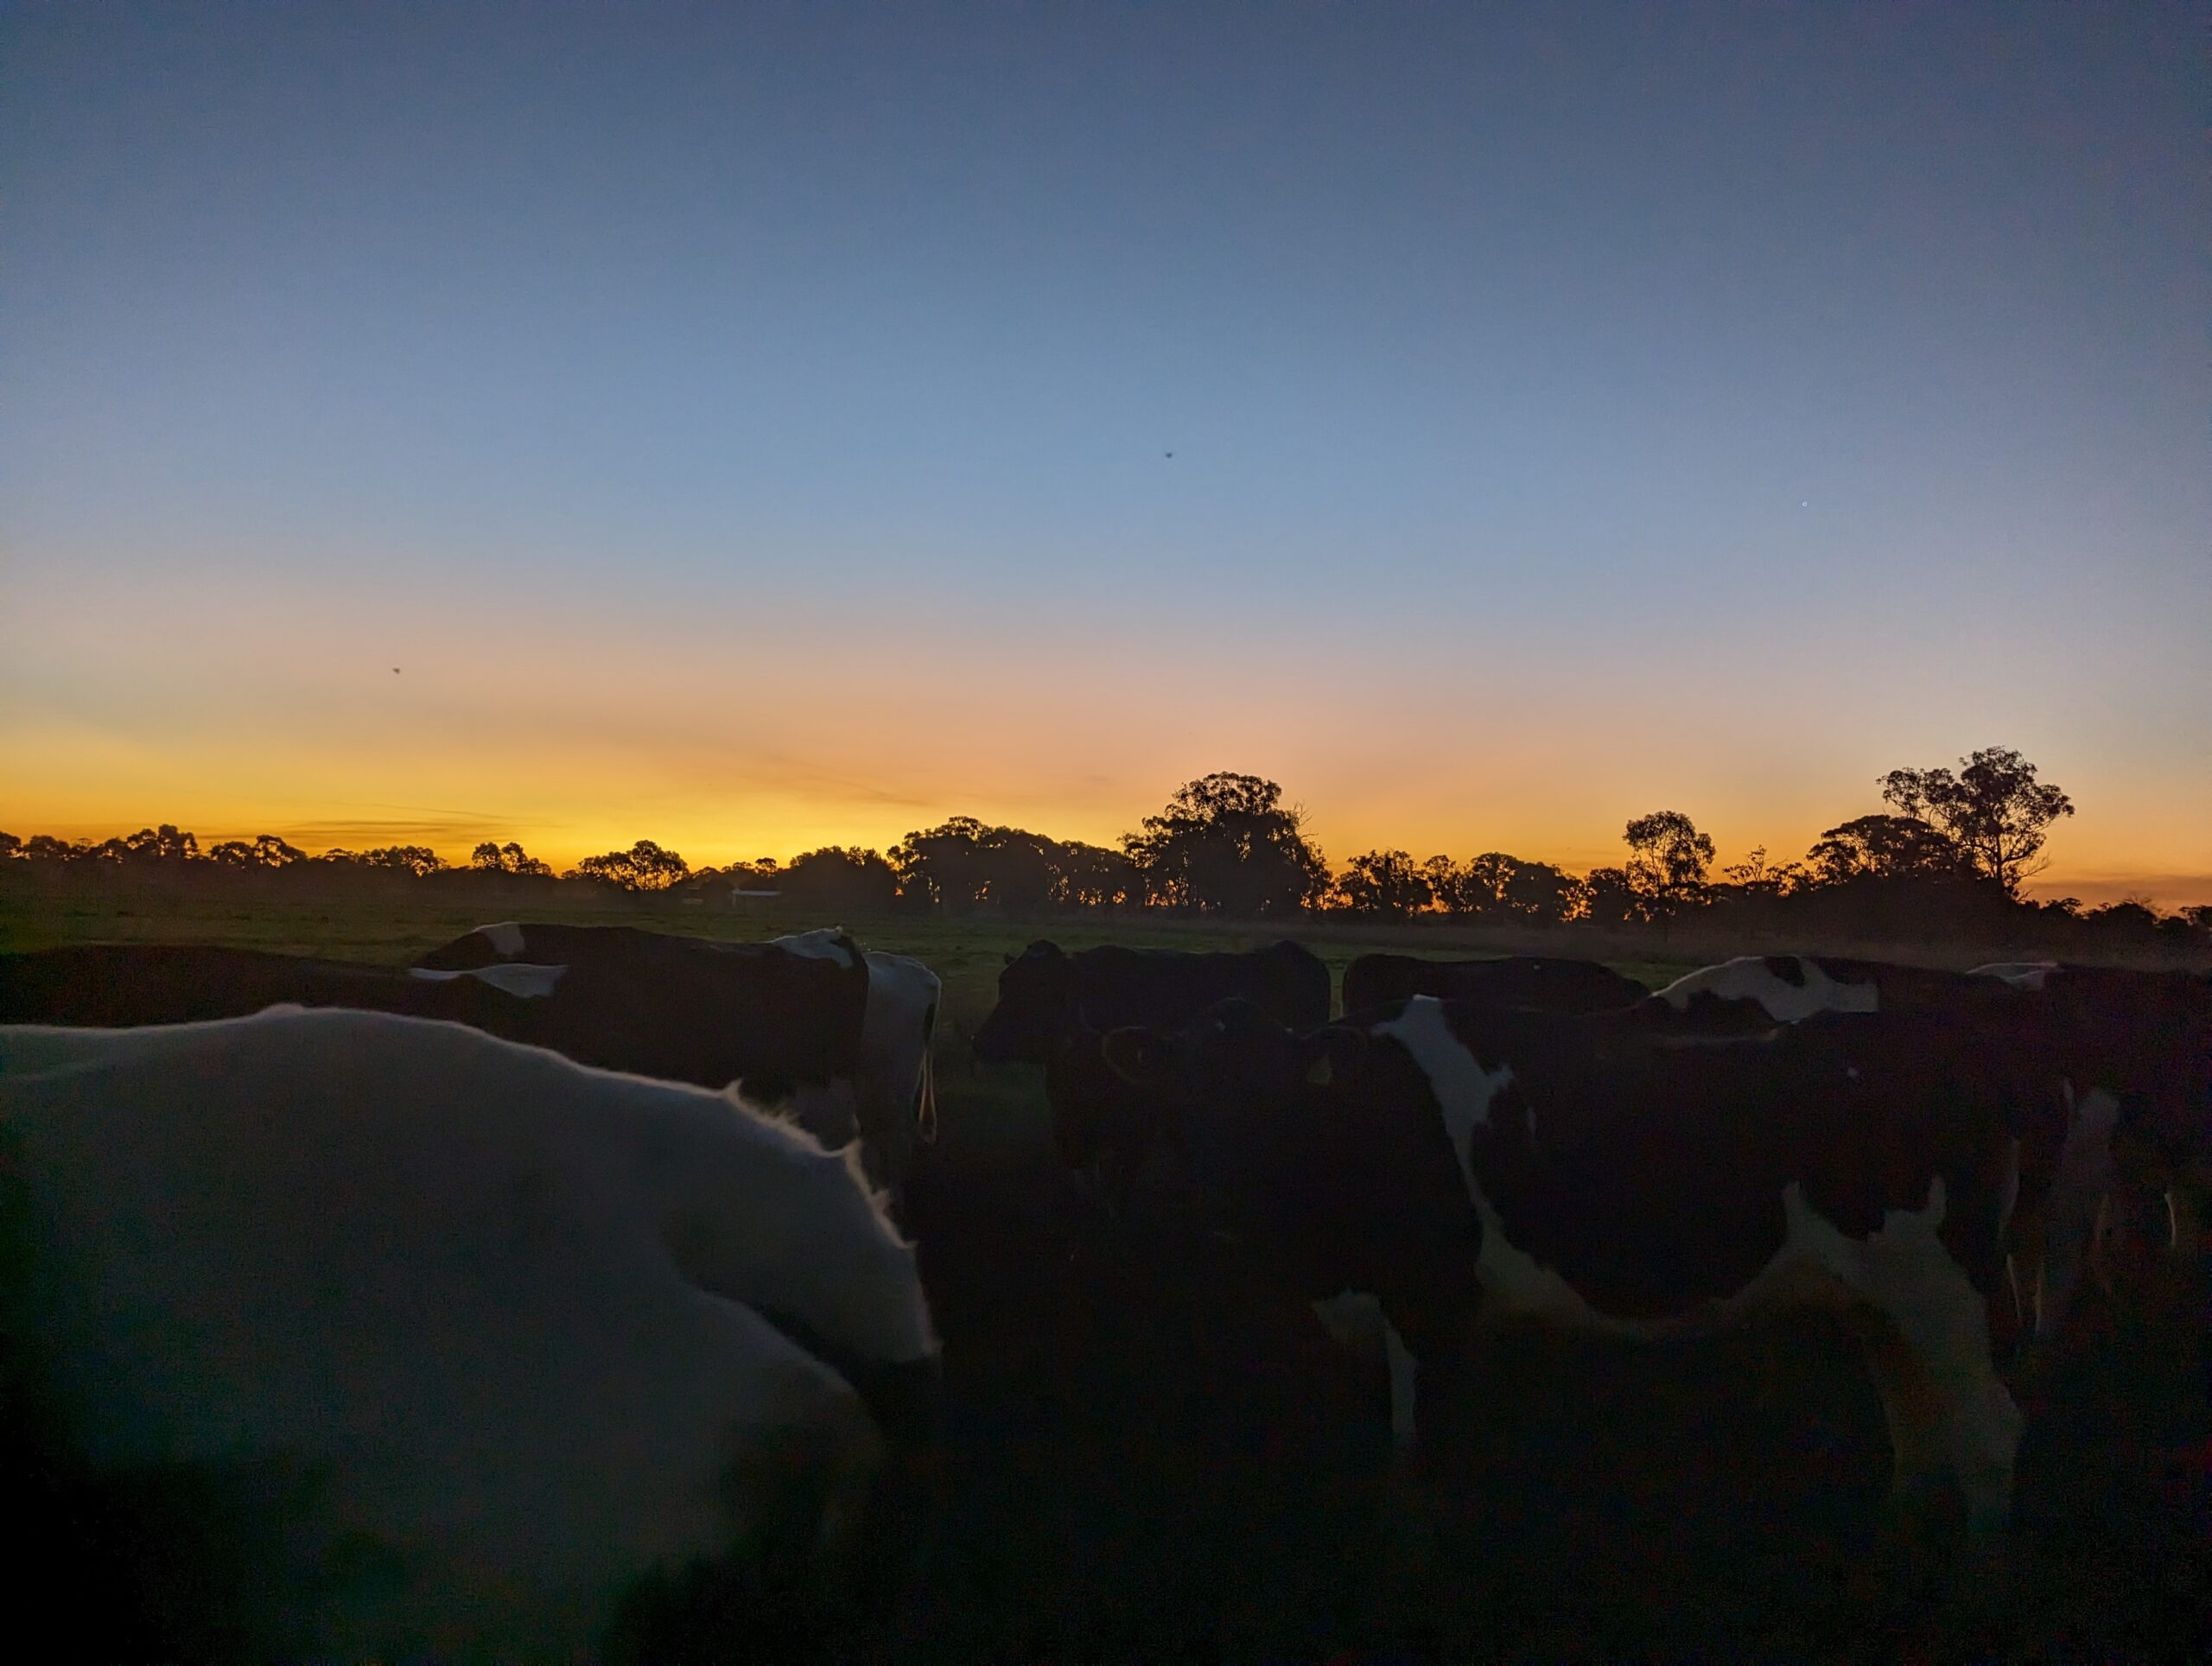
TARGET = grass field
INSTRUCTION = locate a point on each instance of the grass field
(1151, 1457)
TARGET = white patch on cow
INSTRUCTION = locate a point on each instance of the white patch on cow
(418, 1264)
(525, 982)
(2020, 973)
(1940, 1353)
(1463, 1088)
(898, 1090)
(1355, 1320)
(505, 939)
(822, 943)
(1747, 978)
(1464, 1091)
(897, 1085)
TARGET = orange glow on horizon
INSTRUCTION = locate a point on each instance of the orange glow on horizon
(573, 726)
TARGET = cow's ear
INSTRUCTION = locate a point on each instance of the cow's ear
(1337, 1052)
(1135, 1056)
(1007, 957)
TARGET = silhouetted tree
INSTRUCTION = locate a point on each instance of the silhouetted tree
(263, 850)
(962, 865)
(1536, 892)
(1994, 808)
(416, 859)
(1440, 872)
(944, 866)
(1495, 889)
(643, 867)
(149, 844)
(2199, 915)
(1092, 877)
(1018, 874)
(842, 882)
(1474, 889)
(1608, 897)
(11, 847)
(491, 857)
(1885, 848)
(1226, 844)
(1759, 877)
(1668, 862)
(2131, 920)
(1384, 884)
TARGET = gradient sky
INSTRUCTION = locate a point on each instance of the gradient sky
(745, 427)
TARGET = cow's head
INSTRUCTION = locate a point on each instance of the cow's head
(1036, 1002)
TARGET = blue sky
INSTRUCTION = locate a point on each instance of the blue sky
(751, 422)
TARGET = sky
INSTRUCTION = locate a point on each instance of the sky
(751, 428)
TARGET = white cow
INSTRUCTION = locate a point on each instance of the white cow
(509, 1333)
(897, 1090)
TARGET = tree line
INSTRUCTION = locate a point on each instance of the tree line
(1951, 852)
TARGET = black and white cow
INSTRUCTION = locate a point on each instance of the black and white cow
(1466, 1165)
(898, 1081)
(1054, 1008)
(484, 1346)
(2128, 1054)
(1751, 992)
(786, 1026)
(2140, 1043)
(1549, 985)
(789, 1027)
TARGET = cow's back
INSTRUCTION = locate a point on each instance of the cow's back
(1541, 983)
(1117, 987)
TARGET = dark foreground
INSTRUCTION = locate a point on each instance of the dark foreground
(1149, 1457)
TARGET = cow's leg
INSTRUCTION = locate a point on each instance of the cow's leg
(1400, 1361)
(1912, 1405)
(1939, 1381)
(887, 1123)
(1932, 1360)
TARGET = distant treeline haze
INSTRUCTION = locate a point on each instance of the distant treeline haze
(1950, 854)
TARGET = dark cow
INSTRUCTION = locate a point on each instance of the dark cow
(797, 1020)
(1468, 1164)
(127, 985)
(787, 1028)
(1054, 1007)
(2131, 1052)
(1554, 986)
(2140, 1057)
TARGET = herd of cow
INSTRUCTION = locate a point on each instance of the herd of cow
(525, 1303)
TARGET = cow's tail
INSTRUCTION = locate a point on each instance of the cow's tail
(925, 1090)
